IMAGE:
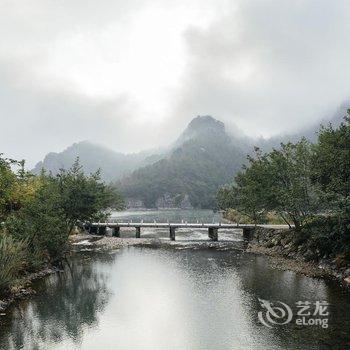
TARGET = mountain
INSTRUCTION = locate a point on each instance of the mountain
(92, 157)
(309, 133)
(203, 158)
(187, 174)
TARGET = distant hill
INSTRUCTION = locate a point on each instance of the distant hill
(310, 132)
(203, 158)
(187, 174)
(113, 165)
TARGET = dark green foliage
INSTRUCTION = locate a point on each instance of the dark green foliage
(331, 165)
(204, 159)
(42, 223)
(7, 184)
(36, 230)
(82, 197)
(326, 237)
(277, 181)
(308, 185)
(12, 254)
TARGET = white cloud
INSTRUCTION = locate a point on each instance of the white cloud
(269, 66)
(131, 74)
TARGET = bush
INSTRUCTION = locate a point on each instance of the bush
(273, 218)
(42, 223)
(328, 236)
(235, 216)
(12, 259)
(39, 212)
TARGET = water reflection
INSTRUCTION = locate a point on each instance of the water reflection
(66, 305)
(144, 298)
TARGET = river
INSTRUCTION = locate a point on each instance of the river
(178, 296)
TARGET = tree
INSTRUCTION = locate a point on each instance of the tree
(41, 223)
(82, 197)
(292, 194)
(331, 165)
(247, 193)
(277, 181)
(39, 212)
(7, 183)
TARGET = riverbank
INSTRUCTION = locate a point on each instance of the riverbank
(276, 245)
(143, 293)
(23, 289)
(284, 253)
(107, 242)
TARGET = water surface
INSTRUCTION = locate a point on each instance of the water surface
(173, 297)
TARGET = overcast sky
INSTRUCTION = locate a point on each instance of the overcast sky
(131, 74)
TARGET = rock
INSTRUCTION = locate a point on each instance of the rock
(347, 272)
(347, 280)
(309, 255)
(3, 305)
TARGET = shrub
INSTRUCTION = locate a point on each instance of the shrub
(237, 217)
(328, 236)
(12, 259)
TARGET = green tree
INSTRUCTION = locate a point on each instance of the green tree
(278, 181)
(292, 194)
(41, 223)
(82, 197)
(7, 183)
(247, 193)
(331, 166)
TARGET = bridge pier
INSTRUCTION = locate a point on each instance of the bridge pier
(248, 233)
(138, 231)
(93, 230)
(101, 230)
(213, 233)
(116, 231)
(172, 233)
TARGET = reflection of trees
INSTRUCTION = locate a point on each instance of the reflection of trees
(70, 302)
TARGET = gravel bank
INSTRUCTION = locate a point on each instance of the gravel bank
(108, 242)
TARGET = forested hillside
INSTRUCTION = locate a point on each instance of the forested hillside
(187, 173)
(113, 165)
(204, 158)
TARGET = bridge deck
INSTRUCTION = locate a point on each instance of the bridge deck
(183, 225)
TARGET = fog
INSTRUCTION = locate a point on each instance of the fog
(131, 75)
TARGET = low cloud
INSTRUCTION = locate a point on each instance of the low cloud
(270, 67)
(264, 67)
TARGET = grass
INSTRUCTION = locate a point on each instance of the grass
(12, 260)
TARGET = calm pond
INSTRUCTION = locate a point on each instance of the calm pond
(176, 296)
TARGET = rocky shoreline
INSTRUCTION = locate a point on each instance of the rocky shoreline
(275, 244)
(278, 246)
(268, 242)
(23, 290)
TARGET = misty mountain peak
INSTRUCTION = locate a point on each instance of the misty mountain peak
(202, 126)
(205, 123)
